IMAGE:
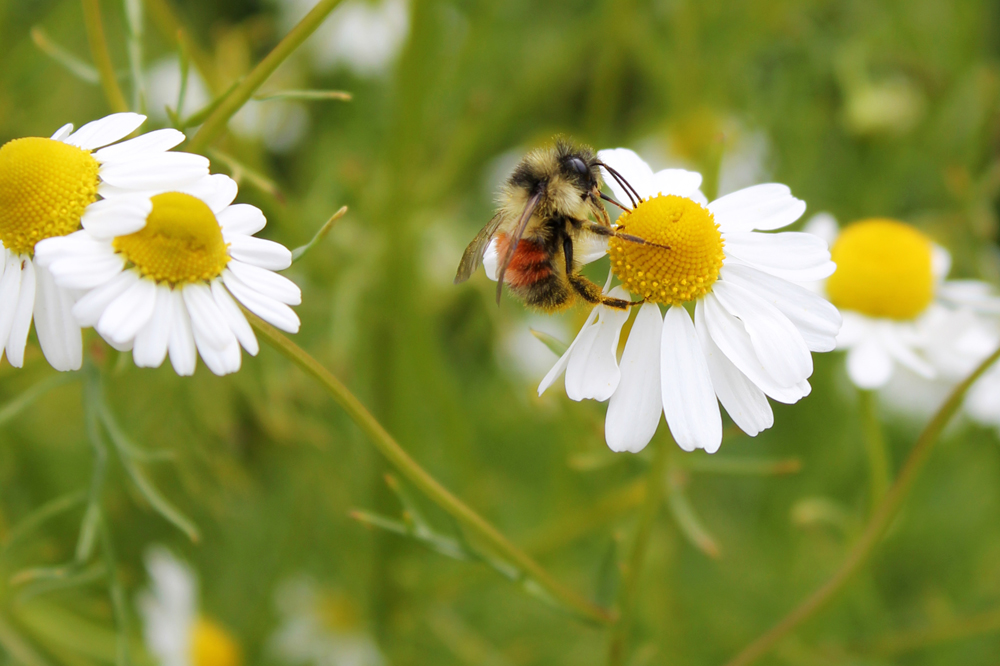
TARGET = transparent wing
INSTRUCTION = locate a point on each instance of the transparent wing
(473, 256)
(515, 238)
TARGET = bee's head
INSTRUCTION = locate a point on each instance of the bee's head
(578, 165)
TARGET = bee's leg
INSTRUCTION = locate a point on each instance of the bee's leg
(605, 231)
(587, 290)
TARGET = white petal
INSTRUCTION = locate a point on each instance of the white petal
(207, 321)
(868, 365)
(268, 309)
(855, 328)
(22, 316)
(732, 339)
(129, 312)
(260, 252)
(816, 319)
(900, 347)
(592, 373)
(62, 132)
(940, 262)
(791, 255)
(119, 216)
(157, 141)
(490, 260)
(182, 350)
(560, 365)
(10, 287)
(159, 173)
(587, 249)
(823, 225)
(91, 306)
(632, 168)
(681, 182)
(241, 219)
(635, 406)
(777, 343)
(743, 401)
(59, 335)
(267, 283)
(152, 339)
(220, 361)
(688, 397)
(766, 207)
(234, 318)
(104, 131)
(217, 190)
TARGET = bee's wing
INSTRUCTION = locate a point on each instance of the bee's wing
(473, 256)
(515, 237)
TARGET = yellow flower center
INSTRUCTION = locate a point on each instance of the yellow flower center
(45, 186)
(883, 270)
(211, 645)
(680, 257)
(181, 242)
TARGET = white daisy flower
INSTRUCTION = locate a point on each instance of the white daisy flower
(47, 187)
(159, 273)
(320, 628)
(174, 631)
(753, 327)
(898, 308)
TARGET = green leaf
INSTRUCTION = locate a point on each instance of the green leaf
(608, 575)
(687, 520)
(74, 65)
(741, 466)
(23, 401)
(40, 516)
(300, 252)
(305, 95)
(242, 173)
(557, 346)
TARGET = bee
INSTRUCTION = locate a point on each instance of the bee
(545, 211)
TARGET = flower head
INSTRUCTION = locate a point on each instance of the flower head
(48, 187)
(752, 329)
(159, 273)
(899, 310)
(175, 633)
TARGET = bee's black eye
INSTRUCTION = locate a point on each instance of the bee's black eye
(577, 165)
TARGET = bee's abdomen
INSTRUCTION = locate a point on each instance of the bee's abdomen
(529, 265)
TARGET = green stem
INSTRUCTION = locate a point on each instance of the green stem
(102, 58)
(880, 475)
(119, 606)
(881, 518)
(618, 648)
(409, 468)
(239, 96)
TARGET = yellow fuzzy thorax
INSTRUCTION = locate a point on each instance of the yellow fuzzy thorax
(883, 270)
(682, 254)
(181, 242)
(45, 185)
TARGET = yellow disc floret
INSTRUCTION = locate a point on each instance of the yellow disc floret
(669, 250)
(45, 185)
(211, 645)
(181, 242)
(883, 270)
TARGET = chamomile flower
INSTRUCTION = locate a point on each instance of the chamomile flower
(159, 273)
(898, 308)
(176, 634)
(47, 188)
(753, 328)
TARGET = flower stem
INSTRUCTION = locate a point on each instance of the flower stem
(239, 95)
(880, 475)
(881, 518)
(419, 477)
(618, 648)
(102, 58)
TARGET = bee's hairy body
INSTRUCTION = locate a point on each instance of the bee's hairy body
(545, 210)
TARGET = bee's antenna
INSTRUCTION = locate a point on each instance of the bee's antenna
(612, 201)
(629, 190)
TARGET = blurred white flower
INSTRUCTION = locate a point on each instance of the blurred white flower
(158, 273)
(48, 187)
(279, 124)
(364, 36)
(319, 628)
(898, 308)
(174, 632)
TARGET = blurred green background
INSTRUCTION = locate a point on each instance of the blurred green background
(862, 108)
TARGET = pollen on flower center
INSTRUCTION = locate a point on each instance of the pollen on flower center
(45, 185)
(181, 242)
(211, 645)
(681, 256)
(883, 270)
